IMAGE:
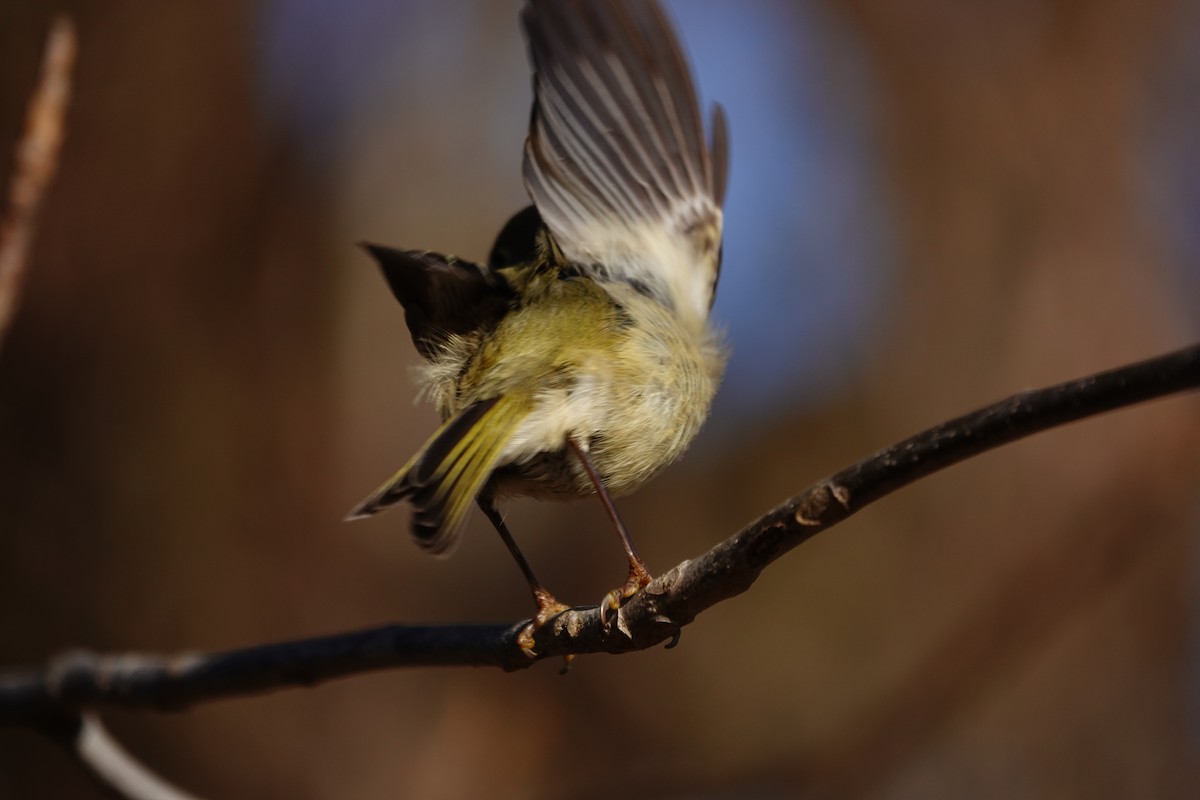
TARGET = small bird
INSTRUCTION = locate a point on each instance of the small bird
(580, 359)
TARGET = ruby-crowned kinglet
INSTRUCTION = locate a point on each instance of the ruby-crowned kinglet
(580, 360)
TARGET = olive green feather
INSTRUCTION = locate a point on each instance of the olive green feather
(444, 477)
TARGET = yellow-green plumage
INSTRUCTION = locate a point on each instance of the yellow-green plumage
(580, 358)
(603, 362)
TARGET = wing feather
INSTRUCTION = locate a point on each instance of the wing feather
(442, 296)
(444, 478)
(616, 161)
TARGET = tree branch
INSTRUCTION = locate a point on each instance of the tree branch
(36, 162)
(43, 698)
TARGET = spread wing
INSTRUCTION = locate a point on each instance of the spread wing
(616, 160)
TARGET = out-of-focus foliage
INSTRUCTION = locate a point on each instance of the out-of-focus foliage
(933, 205)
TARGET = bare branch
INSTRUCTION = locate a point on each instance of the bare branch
(36, 161)
(39, 698)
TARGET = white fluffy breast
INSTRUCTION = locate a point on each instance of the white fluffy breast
(582, 408)
(635, 408)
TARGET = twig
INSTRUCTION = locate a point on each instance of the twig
(115, 768)
(83, 680)
(36, 161)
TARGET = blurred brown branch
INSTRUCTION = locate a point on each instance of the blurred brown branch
(50, 699)
(36, 162)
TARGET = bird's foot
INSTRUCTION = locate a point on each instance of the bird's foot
(548, 608)
(610, 606)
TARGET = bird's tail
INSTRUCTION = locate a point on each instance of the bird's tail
(445, 476)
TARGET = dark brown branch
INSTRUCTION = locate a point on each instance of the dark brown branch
(43, 698)
(36, 162)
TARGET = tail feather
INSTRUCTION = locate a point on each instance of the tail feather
(442, 480)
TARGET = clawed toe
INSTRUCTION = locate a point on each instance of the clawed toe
(548, 608)
(610, 606)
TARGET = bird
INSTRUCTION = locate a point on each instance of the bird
(580, 358)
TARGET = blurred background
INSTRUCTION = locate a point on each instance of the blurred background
(933, 204)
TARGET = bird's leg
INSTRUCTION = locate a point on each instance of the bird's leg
(639, 576)
(547, 604)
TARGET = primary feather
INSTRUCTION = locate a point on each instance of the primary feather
(616, 159)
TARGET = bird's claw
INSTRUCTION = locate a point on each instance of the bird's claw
(525, 641)
(548, 608)
(612, 602)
